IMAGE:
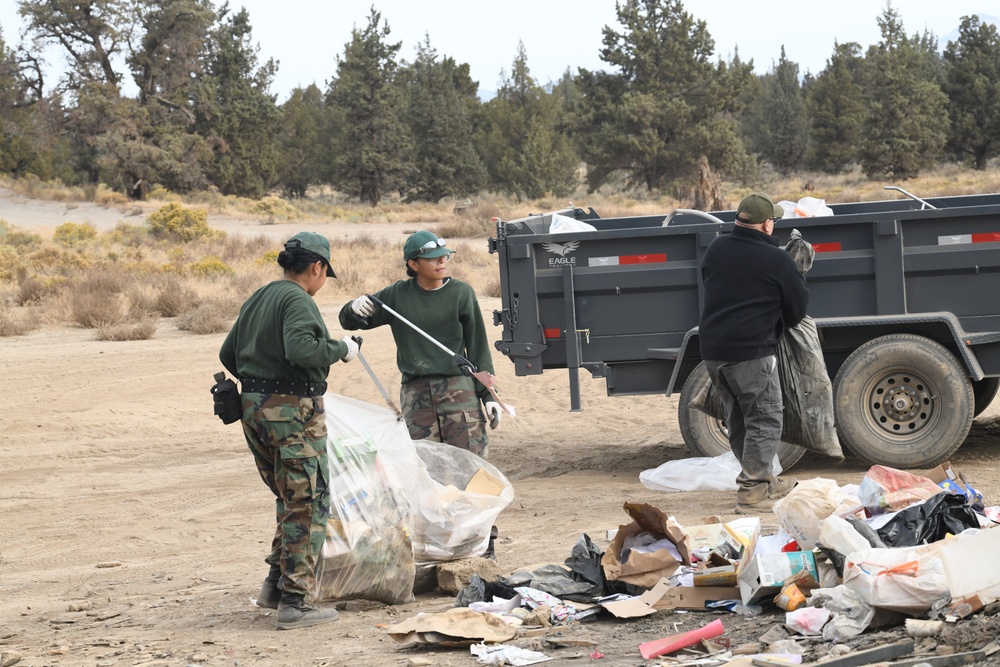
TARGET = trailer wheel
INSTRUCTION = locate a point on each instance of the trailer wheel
(903, 401)
(985, 391)
(707, 436)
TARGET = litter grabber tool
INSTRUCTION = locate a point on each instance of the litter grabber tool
(486, 378)
(378, 385)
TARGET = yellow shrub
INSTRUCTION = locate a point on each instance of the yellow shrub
(57, 260)
(210, 266)
(274, 208)
(69, 233)
(269, 258)
(173, 221)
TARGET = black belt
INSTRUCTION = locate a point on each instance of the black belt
(282, 387)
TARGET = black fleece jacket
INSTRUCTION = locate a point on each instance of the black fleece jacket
(753, 290)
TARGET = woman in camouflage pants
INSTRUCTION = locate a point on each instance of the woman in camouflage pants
(281, 350)
(439, 401)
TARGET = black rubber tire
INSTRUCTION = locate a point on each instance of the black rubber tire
(985, 391)
(932, 406)
(706, 436)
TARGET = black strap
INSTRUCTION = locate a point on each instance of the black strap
(282, 387)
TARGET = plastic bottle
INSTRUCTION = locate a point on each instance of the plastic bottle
(748, 610)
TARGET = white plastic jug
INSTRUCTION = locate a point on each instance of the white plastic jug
(840, 536)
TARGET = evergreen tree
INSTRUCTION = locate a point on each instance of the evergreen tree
(665, 106)
(836, 107)
(235, 112)
(906, 120)
(775, 122)
(371, 143)
(301, 146)
(972, 84)
(524, 151)
(437, 114)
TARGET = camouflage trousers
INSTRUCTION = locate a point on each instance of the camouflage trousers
(445, 408)
(287, 436)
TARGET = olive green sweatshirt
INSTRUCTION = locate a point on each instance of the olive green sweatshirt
(450, 315)
(280, 335)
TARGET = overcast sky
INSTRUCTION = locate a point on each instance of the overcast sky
(305, 36)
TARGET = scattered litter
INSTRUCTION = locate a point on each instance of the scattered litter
(506, 655)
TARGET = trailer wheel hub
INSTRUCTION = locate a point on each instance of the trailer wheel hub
(901, 403)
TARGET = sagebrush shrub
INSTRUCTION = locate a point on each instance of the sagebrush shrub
(69, 234)
(176, 222)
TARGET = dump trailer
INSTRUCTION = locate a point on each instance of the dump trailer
(905, 294)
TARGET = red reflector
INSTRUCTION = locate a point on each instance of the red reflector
(827, 247)
(988, 237)
(552, 333)
(642, 259)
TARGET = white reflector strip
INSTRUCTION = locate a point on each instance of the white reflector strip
(603, 261)
(957, 239)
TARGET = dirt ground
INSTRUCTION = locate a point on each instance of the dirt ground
(134, 524)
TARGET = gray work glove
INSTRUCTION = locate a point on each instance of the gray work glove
(363, 307)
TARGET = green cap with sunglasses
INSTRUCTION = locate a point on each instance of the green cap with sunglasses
(757, 208)
(424, 244)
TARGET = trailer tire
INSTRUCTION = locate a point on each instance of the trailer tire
(931, 405)
(985, 391)
(707, 436)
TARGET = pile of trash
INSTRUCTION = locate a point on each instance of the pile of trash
(897, 550)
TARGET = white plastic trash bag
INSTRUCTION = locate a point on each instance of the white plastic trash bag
(904, 579)
(563, 223)
(699, 473)
(368, 552)
(458, 498)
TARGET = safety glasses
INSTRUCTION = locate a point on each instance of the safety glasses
(431, 245)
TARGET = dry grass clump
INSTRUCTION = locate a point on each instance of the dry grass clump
(213, 315)
(142, 329)
(35, 289)
(13, 323)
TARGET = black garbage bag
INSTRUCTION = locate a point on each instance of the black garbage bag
(932, 520)
(584, 563)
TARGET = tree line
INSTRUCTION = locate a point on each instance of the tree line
(662, 116)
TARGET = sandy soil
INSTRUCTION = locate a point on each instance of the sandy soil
(134, 523)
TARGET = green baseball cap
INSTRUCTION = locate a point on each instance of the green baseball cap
(314, 243)
(759, 208)
(424, 244)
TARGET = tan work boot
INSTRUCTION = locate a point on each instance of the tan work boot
(270, 594)
(294, 612)
(779, 488)
(753, 499)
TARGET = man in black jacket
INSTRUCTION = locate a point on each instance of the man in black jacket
(753, 291)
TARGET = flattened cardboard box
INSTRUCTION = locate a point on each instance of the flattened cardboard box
(688, 597)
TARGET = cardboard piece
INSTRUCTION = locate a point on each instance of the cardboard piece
(485, 484)
(688, 597)
(941, 473)
(709, 535)
(645, 569)
(459, 626)
(763, 575)
(716, 576)
(644, 605)
(741, 533)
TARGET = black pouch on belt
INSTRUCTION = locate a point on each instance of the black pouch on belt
(227, 399)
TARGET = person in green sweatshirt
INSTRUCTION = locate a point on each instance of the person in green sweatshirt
(281, 351)
(439, 400)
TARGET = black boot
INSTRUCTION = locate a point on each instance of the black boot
(490, 553)
(270, 594)
(294, 612)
